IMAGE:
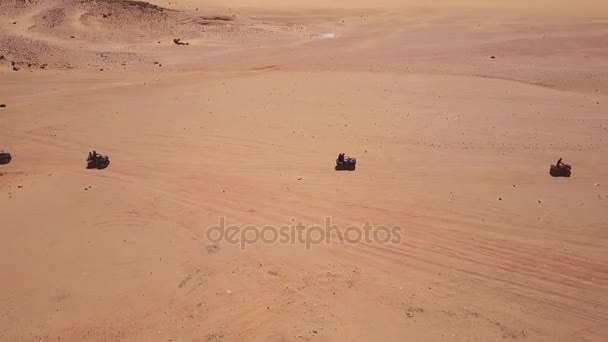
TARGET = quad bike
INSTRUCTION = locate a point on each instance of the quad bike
(5, 157)
(97, 161)
(345, 163)
(560, 169)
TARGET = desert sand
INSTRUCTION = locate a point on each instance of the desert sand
(454, 111)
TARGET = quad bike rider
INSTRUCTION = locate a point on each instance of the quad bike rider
(345, 163)
(97, 161)
(5, 158)
(560, 169)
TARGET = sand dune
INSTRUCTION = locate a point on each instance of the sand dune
(453, 110)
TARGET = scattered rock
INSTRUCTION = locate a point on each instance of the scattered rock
(493, 57)
(2, 105)
(500, 198)
(300, 178)
(540, 201)
(409, 313)
(16, 67)
(72, 37)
